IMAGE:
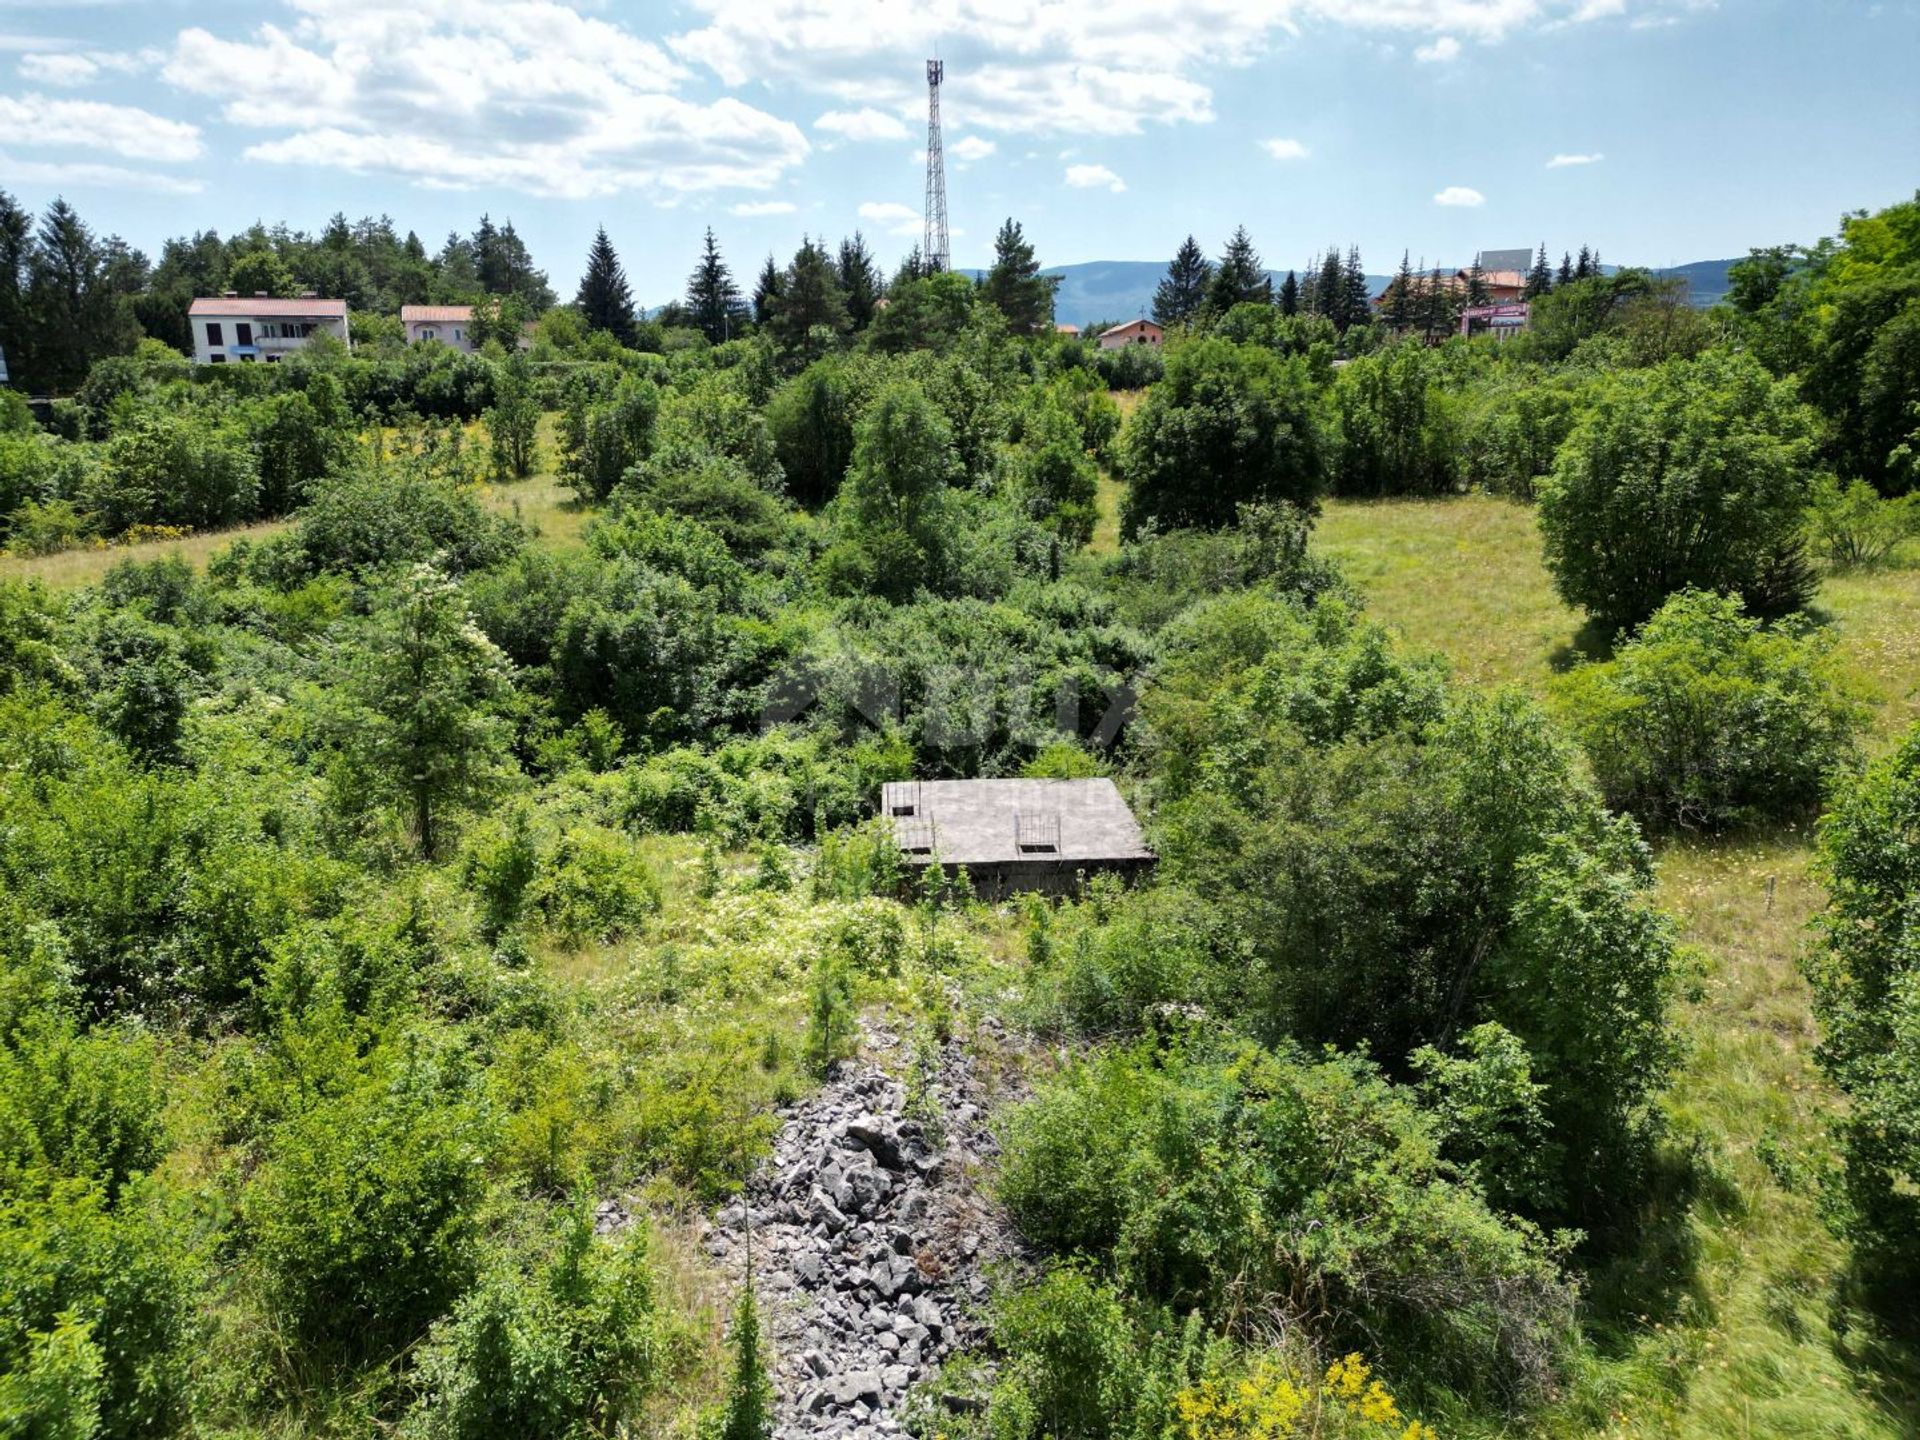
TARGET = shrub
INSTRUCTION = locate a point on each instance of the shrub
(594, 887)
(1191, 1179)
(377, 516)
(559, 1341)
(96, 1324)
(811, 420)
(1707, 719)
(1394, 429)
(1852, 528)
(1865, 973)
(1228, 425)
(361, 1210)
(175, 470)
(1695, 473)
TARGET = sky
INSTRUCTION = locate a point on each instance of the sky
(1660, 131)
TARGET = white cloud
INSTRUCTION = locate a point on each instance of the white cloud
(131, 133)
(73, 67)
(1463, 196)
(60, 175)
(1048, 66)
(753, 209)
(970, 148)
(1440, 52)
(865, 123)
(1561, 162)
(529, 94)
(897, 219)
(1094, 177)
(1281, 148)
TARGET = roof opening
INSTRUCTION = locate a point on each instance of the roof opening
(1036, 833)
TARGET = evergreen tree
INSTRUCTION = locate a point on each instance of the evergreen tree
(458, 275)
(1477, 284)
(1240, 277)
(912, 267)
(604, 301)
(1565, 274)
(1290, 294)
(16, 252)
(79, 299)
(1356, 302)
(767, 291)
(504, 266)
(1399, 299)
(749, 1406)
(810, 302)
(1438, 316)
(1184, 290)
(859, 279)
(1540, 278)
(1015, 285)
(713, 300)
(1331, 290)
(1583, 267)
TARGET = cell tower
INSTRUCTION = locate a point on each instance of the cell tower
(935, 249)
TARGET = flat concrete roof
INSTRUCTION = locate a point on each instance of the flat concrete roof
(977, 822)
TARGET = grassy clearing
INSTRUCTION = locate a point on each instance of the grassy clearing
(1741, 1333)
(70, 569)
(1464, 577)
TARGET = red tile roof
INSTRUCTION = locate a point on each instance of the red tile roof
(266, 305)
(435, 314)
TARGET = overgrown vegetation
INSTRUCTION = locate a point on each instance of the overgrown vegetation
(376, 900)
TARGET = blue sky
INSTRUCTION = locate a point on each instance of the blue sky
(1661, 131)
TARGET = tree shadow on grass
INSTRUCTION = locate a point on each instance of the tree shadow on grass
(1645, 1266)
(1591, 642)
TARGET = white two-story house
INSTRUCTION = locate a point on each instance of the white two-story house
(451, 325)
(245, 329)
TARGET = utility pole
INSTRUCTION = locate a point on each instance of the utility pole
(935, 249)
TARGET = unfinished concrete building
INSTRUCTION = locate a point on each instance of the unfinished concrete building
(1049, 836)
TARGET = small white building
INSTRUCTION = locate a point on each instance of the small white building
(242, 329)
(1134, 332)
(451, 325)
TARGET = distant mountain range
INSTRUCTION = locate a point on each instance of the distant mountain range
(1123, 289)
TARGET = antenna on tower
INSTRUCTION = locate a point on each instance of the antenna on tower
(935, 249)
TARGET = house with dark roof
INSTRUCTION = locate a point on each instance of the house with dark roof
(1011, 836)
(245, 329)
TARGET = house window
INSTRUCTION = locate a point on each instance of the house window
(242, 332)
(213, 333)
(456, 335)
(217, 359)
(427, 334)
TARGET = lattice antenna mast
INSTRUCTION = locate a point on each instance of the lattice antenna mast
(935, 248)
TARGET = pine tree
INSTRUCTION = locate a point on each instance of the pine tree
(1565, 274)
(1540, 278)
(1015, 285)
(604, 300)
(912, 267)
(767, 291)
(713, 300)
(860, 279)
(1476, 284)
(1183, 292)
(1439, 307)
(749, 1408)
(1290, 294)
(1355, 299)
(809, 301)
(1331, 292)
(1398, 307)
(1583, 267)
(1240, 276)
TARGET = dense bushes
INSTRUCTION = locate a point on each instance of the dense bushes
(1191, 1180)
(1401, 862)
(1706, 719)
(1695, 473)
(1395, 428)
(1228, 425)
(1866, 984)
